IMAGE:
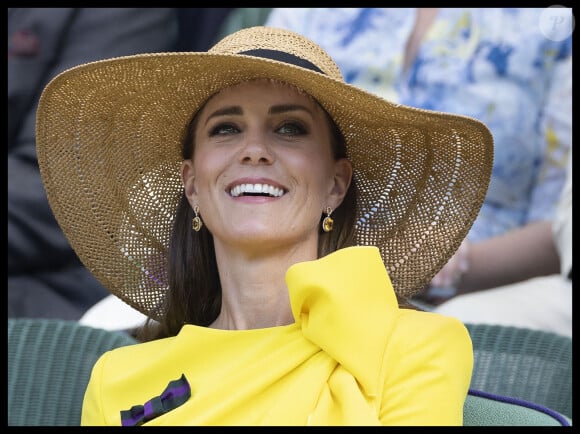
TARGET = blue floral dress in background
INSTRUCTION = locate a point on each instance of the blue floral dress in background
(492, 64)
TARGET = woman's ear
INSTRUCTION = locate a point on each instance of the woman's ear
(342, 179)
(188, 180)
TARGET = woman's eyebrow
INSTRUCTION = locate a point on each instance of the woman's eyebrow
(282, 108)
(277, 109)
(225, 111)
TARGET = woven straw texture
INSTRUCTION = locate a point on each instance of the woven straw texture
(533, 365)
(108, 136)
(49, 365)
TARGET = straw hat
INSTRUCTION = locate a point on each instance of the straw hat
(108, 142)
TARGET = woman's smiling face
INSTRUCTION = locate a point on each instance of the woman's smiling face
(263, 170)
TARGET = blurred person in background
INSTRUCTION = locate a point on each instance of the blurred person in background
(45, 277)
(529, 269)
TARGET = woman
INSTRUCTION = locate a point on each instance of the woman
(260, 246)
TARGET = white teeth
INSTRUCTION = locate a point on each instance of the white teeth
(256, 188)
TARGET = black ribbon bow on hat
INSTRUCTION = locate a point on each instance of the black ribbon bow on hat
(174, 395)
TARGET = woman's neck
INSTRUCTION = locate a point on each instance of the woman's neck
(254, 291)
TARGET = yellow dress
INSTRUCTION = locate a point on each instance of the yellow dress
(352, 357)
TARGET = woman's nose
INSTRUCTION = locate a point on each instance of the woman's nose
(256, 149)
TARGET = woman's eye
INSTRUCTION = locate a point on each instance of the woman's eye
(224, 129)
(291, 129)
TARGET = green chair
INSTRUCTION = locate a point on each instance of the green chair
(49, 365)
(487, 409)
(50, 361)
(532, 365)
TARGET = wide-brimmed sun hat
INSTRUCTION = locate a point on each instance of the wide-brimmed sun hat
(108, 142)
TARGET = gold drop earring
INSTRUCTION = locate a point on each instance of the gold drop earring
(196, 222)
(328, 221)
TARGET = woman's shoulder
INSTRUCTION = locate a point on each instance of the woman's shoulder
(428, 319)
(137, 351)
(432, 327)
